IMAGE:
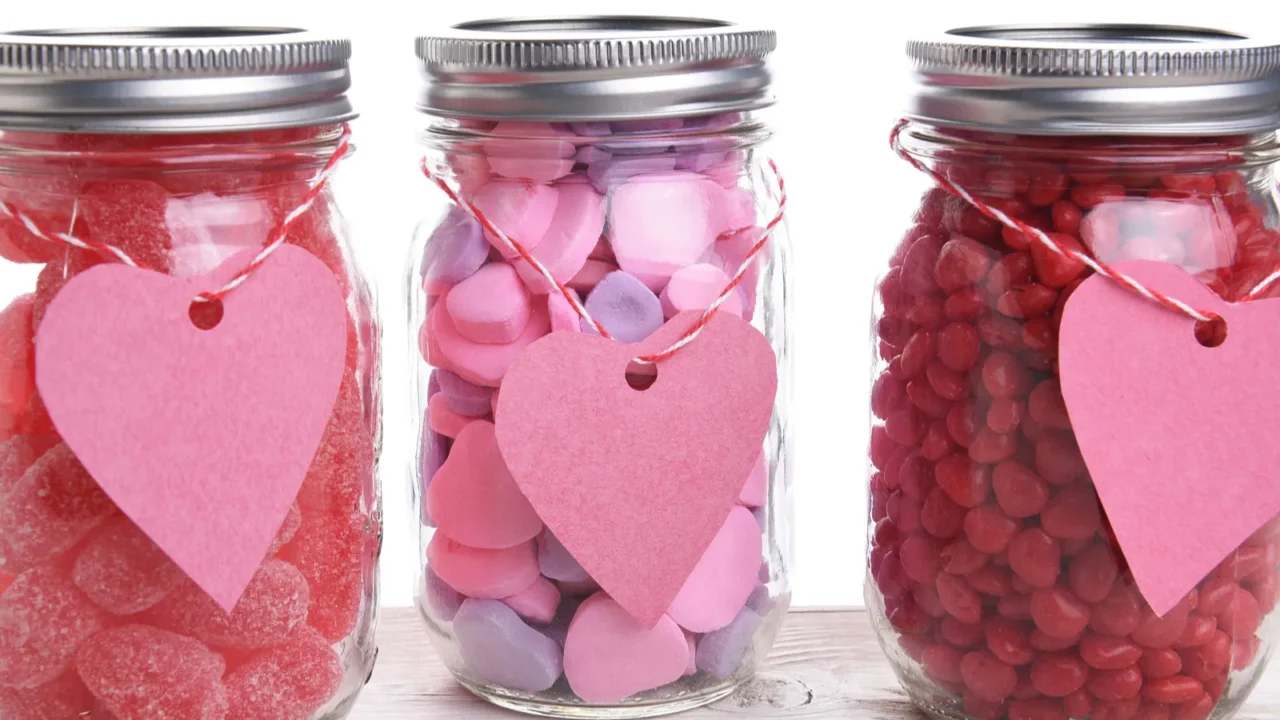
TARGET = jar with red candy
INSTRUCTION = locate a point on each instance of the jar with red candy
(1007, 578)
(599, 301)
(189, 425)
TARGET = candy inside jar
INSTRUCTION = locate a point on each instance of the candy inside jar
(997, 585)
(96, 619)
(594, 221)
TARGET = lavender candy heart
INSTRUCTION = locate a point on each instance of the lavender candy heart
(443, 601)
(627, 309)
(431, 455)
(555, 561)
(721, 653)
(498, 647)
(608, 174)
(588, 154)
(464, 397)
(433, 384)
(760, 601)
(455, 251)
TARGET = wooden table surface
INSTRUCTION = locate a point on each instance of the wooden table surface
(825, 665)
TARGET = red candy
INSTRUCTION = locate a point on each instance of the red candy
(43, 619)
(123, 571)
(49, 510)
(291, 680)
(137, 671)
(1035, 557)
(986, 677)
(1058, 613)
(329, 552)
(274, 603)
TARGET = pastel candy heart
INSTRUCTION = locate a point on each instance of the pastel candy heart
(609, 656)
(591, 274)
(474, 499)
(498, 647)
(756, 491)
(1141, 390)
(731, 208)
(695, 288)
(639, 517)
(443, 600)
(628, 310)
(591, 129)
(465, 398)
(575, 229)
(534, 152)
(491, 307)
(563, 316)
(194, 473)
(730, 252)
(536, 603)
(588, 154)
(442, 419)
(455, 251)
(522, 210)
(607, 174)
(659, 224)
(481, 363)
(761, 600)
(722, 652)
(556, 562)
(478, 573)
(723, 579)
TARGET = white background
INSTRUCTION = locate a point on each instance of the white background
(840, 79)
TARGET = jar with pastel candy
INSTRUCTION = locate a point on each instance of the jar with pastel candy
(189, 423)
(599, 297)
(1068, 518)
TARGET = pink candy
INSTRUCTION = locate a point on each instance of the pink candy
(574, 231)
(536, 603)
(660, 224)
(608, 656)
(272, 606)
(521, 210)
(473, 498)
(694, 288)
(478, 573)
(123, 571)
(541, 160)
(481, 363)
(491, 307)
(50, 509)
(291, 680)
(43, 619)
(724, 577)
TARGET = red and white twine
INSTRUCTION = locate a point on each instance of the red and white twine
(1043, 238)
(571, 297)
(314, 189)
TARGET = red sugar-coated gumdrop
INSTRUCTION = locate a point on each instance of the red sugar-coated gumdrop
(50, 509)
(69, 263)
(123, 571)
(329, 551)
(17, 354)
(288, 682)
(130, 215)
(138, 671)
(59, 699)
(43, 619)
(344, 460)
(288, 529)
(17, 454)
(274, 603)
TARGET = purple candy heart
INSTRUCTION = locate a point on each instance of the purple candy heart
(432, 453)
(608, 174)
(657, 125)
(588, 154)
(433, 384)
(455, 251)
(721, 653)
(760, 601)
(555, 561)
(464, 397)
(626, 308)
(443, 601)
(498, 647)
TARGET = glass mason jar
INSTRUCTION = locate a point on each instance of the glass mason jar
(549, 151)
(127, 143)
(997, 587)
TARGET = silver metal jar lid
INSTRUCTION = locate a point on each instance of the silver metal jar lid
(595, 68)
(1097, 79)
(172, 80)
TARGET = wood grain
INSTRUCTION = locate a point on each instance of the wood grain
(826, 665)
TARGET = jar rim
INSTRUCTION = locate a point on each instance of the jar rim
(1097, 79)
(595, 68)
(165, 80)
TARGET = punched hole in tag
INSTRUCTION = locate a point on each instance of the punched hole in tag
(1211, 333)
(205, 313)
(641, 375)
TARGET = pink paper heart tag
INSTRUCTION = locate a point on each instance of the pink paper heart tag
(202, 437)
(1179, 438)
(636, 483)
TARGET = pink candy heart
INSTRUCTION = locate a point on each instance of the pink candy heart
(636, 484)
(202, 437)
(1179, 438)
(608, 656)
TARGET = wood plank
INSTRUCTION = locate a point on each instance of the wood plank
(825, 665)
